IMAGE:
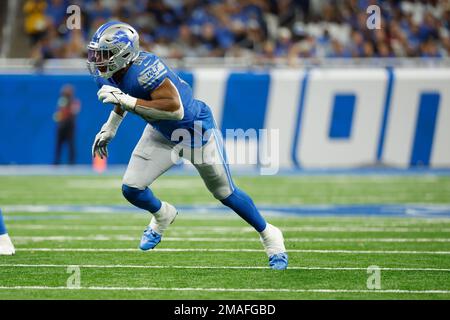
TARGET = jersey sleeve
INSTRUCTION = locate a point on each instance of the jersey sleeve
(100, 82)
(152, 75)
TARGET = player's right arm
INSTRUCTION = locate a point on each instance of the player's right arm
(159, 99)
(107, 132)
(163, 103)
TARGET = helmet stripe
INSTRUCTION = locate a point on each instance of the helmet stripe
(103, 28)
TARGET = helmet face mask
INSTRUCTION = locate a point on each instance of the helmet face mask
(102, 63)
(112, 48)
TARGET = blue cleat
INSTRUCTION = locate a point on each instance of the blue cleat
(278, 261)
(158, 224)
(273, 241)
(149, 239)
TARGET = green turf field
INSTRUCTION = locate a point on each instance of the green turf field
(217, 256)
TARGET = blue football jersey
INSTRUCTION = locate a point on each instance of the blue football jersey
(146, 74)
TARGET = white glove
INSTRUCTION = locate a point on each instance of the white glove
(109, 94)
(101, 142)
(106, 134)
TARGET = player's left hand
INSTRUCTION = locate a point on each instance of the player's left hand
(110, 94)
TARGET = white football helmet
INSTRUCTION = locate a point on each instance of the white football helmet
(114, 45)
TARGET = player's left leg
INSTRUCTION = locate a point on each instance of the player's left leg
(215, 173)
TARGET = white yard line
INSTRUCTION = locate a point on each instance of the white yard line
(125, 266)
(96, 288)
(102, 237)
(192, 229)
(232, 250)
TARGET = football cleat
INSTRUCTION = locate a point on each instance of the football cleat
(149, 239)
(6, 246)
(159, 223)
(278, 261)
(273, 242)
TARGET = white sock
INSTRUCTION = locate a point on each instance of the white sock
(6, 246)
(265, 233)
(163, 217)
(272, 239)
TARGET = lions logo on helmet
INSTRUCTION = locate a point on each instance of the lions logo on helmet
(113, 46)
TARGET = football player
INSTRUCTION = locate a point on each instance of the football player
(141, 83)
(6, 246)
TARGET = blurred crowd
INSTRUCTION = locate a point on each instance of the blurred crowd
(263, 29)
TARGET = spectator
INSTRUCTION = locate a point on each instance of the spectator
(284, 42)
(51, 46)
(76, 46)
(259, 28)
(65, 117)
(56, 11)
(35, 19)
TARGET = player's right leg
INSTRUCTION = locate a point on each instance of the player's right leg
(6, 246)
(151, 158)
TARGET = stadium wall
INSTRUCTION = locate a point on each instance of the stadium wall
(327, 118)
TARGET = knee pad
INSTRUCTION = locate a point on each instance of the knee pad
(130, 193)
